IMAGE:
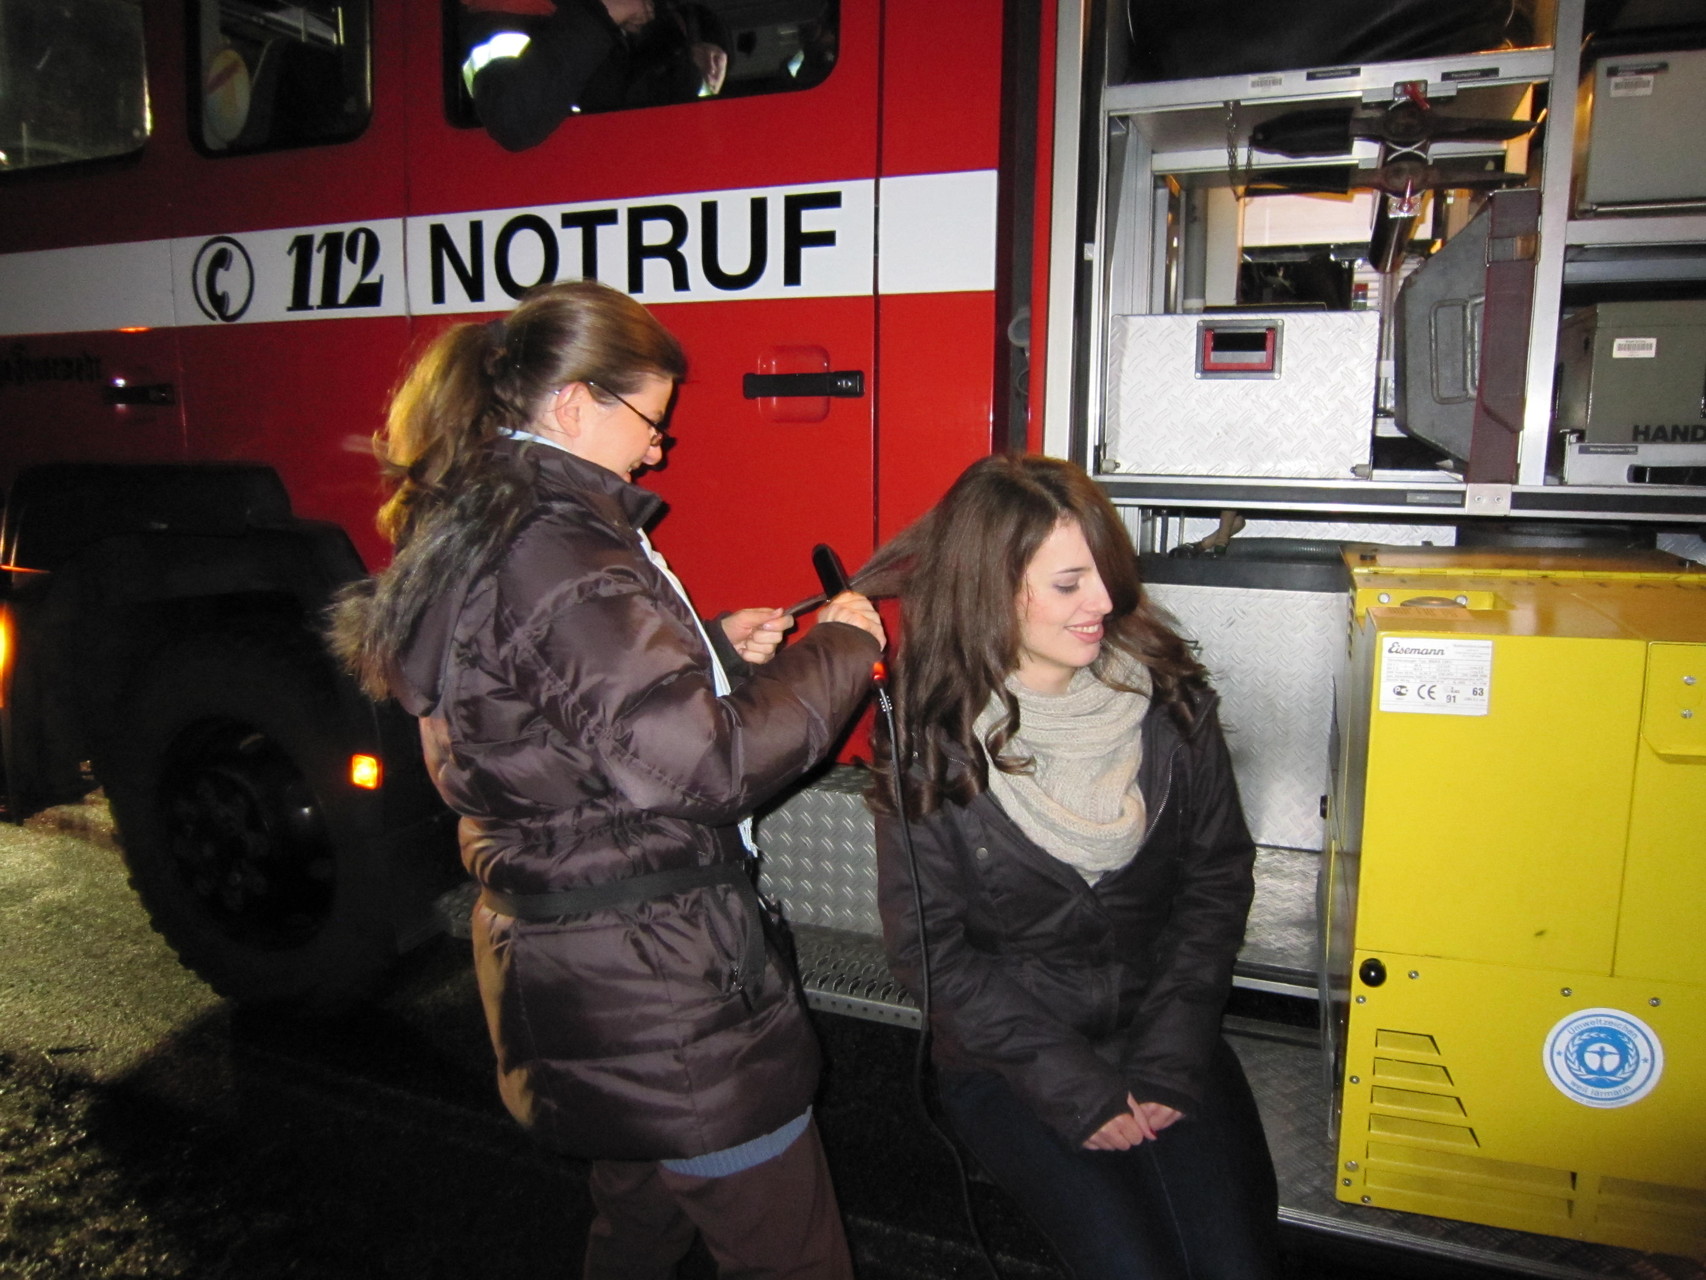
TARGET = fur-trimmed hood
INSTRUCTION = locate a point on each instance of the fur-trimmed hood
(391, 630)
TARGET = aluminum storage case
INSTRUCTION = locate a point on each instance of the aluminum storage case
(1460, 340)
(1643, 144)
(1282, 394)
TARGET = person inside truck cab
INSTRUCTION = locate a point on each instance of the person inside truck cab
(530, 64)
(1083, 873)
(605, 748)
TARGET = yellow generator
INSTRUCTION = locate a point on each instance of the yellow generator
(1515, 898)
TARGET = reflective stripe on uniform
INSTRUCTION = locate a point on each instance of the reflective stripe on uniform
(505, 44)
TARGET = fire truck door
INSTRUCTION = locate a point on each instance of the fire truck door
(88, 354)
(746, 221)
(289, 248)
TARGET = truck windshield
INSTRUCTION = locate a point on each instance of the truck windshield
(72, 83)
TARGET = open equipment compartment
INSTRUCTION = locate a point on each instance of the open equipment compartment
(1176, 231)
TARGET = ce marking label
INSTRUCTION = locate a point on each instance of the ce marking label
(1435, 675)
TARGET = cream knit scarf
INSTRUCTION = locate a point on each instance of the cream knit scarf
(1080, 800)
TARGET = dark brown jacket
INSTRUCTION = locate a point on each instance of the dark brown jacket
(569, 715)
(1078, 995)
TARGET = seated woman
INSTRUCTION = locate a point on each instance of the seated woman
(1083, 873)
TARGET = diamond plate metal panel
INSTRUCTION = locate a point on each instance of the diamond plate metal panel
(819, 854)
(1279, 940)
(1271, 654)
(1312, 421)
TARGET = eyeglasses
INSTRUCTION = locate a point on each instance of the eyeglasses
(656, 424)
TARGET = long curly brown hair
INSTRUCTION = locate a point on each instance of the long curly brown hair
(959, 571)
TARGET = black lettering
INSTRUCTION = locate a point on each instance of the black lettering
(18, 367)
(669, 251)
(758, 251)
(794, 239)
(331, 267)
(1641, 434)
(301, 251)
(362, 250)
(442, 249)
(500, 253)
(588, 223)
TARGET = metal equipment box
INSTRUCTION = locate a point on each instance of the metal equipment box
(1514, 877)
(1460, 339)
(1284, 394)
(1632, 393)
(1643, 144)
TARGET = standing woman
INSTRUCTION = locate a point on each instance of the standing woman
(1084, 871)
(604, 748)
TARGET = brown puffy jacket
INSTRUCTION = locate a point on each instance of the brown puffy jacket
(1080, 994)
(569, 715)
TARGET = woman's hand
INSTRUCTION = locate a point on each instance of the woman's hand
(856, 611)
(1143, 1122)
(756, 633)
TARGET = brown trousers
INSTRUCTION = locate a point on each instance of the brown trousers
(775, 1221)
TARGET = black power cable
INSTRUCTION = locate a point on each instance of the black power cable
(921, 1051)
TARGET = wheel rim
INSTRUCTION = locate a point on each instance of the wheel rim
(246, 840)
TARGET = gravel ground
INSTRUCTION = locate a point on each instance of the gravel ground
(148, 1130)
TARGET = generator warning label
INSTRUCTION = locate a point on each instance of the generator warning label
(1438, 676)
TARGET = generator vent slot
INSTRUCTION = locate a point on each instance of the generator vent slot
(1407, 1042)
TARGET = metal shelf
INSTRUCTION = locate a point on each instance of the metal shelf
(1651, 504)
(1624, 264)
(1648, 230)
(1445, 77)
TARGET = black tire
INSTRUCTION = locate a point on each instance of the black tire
(226, 780)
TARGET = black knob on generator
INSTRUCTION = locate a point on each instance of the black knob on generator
(1372, 972)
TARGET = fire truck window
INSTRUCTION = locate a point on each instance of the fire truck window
(522, 67)
(72, 82)
(276, 74)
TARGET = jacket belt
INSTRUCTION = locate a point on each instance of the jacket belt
(656, 884)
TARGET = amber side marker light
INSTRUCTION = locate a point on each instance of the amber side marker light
(366, 772)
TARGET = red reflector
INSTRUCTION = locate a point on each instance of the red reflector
(365, 772)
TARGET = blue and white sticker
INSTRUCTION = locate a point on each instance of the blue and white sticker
(1603, 1058)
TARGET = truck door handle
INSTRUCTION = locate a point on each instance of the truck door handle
(141, 393)
(846, 384)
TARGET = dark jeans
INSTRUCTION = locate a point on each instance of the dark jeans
(1199, 1203)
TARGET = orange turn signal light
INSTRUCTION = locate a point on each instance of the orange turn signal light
(366, 772)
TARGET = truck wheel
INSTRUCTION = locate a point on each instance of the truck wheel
(226, 784)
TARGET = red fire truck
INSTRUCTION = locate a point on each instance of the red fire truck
(900, 235)
(226, 225)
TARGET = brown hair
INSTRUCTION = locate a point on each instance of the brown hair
(475, 381)
(960, 570)
(454, 498)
